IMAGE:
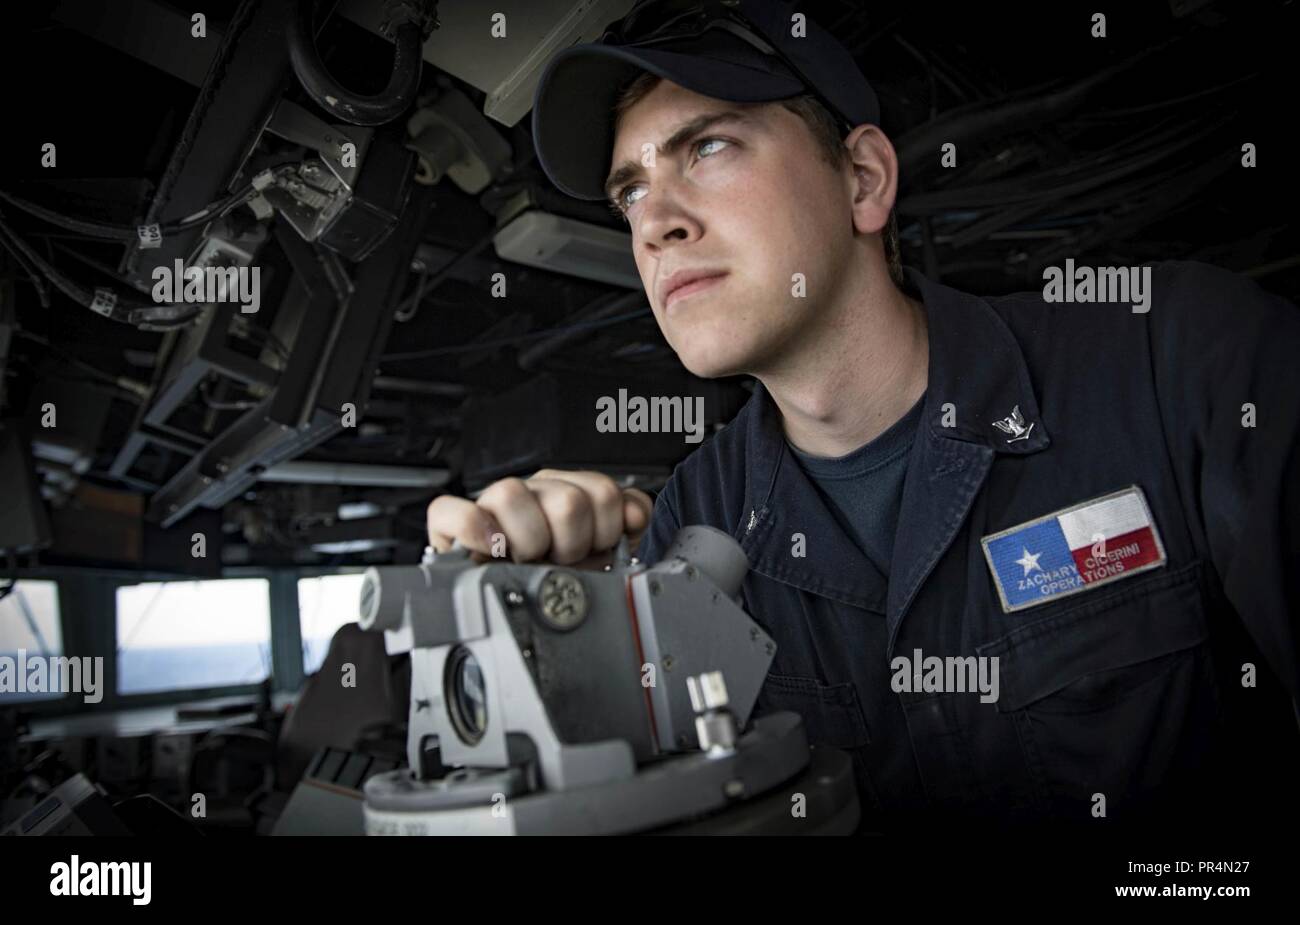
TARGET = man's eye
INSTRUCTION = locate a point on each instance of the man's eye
(621, 204)
(705, 141)
(622, 197)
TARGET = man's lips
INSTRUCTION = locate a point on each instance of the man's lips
(691, 288)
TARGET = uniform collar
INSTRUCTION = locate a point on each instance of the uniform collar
(976, 367)
(977, 376)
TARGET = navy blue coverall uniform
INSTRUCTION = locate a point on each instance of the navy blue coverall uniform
(1131, 688)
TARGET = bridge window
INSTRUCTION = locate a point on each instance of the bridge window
(324, 604)
(185, 635)
(29, 630)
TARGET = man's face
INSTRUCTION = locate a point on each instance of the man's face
(753, 200)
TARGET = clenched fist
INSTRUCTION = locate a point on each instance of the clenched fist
(568, 518)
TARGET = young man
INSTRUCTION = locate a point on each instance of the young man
(1026, 561)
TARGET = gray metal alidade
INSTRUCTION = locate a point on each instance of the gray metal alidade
(549, 700)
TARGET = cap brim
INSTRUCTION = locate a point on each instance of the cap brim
(573, 117)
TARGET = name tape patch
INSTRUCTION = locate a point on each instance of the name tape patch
(1076, 549)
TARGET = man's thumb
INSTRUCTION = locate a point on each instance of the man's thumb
(637, 509)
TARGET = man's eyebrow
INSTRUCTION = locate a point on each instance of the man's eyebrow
(687, 130)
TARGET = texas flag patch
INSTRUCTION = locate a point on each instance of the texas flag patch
(1075, 549)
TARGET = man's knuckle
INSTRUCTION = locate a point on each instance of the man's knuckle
(607, 495)
(508, 491)
(438, 506)
(572, 505)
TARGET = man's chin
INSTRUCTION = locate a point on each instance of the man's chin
(712, 367)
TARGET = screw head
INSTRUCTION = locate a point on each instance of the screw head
(563, 600)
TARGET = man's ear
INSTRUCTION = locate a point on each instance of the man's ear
(874, 183)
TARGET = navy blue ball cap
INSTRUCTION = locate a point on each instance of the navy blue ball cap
(573, 107)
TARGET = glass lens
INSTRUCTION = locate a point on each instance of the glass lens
(466, 695)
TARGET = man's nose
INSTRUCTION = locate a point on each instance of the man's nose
(667, 218)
